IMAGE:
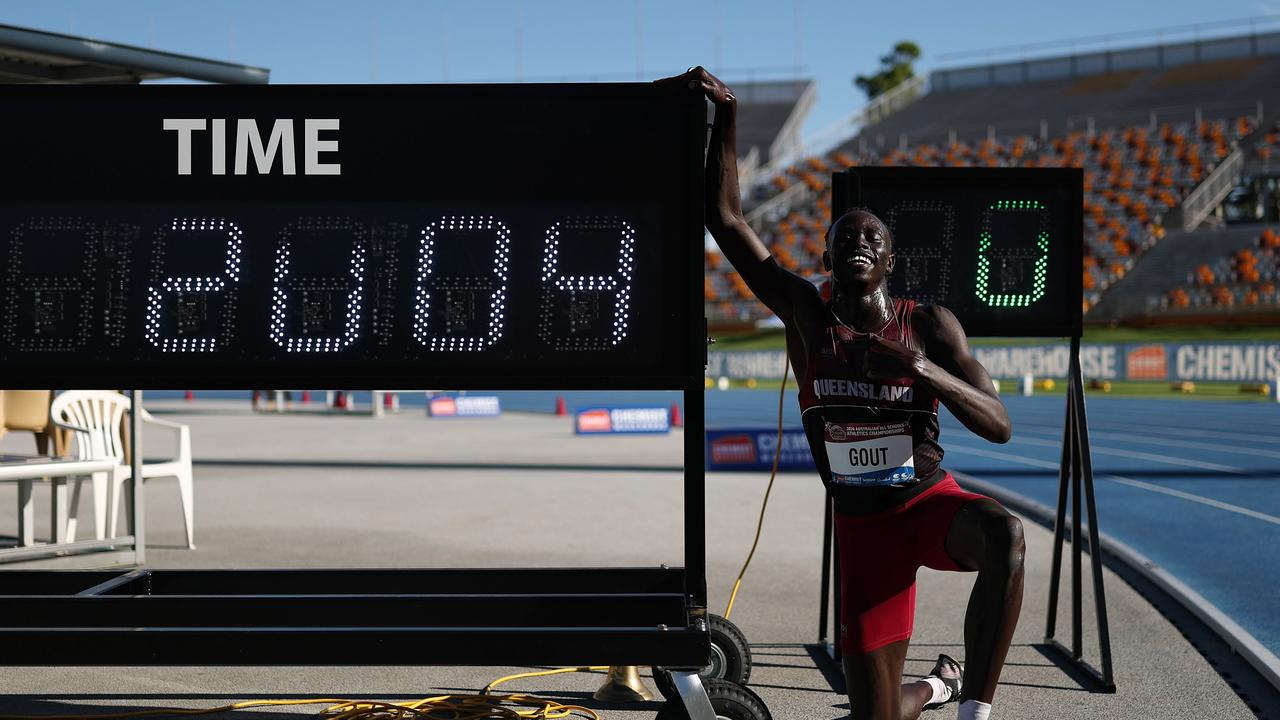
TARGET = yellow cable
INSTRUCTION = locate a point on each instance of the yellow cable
(541, 673)
(441, 707)
(777, 455)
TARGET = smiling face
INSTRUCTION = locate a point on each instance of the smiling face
(859, 250)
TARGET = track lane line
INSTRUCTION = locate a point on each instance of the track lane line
(1167, 442)
(1268, 439)
(1119, 479)
(1136, 455)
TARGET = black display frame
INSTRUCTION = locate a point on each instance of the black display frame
(49, 180)
(847, 192)
(653, 616)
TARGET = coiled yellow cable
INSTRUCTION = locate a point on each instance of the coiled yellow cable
(440, 707)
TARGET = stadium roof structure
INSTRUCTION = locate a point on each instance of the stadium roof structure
(770, 115)
(37, 56)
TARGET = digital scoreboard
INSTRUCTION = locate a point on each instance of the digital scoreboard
(999, 247)
(353, 236)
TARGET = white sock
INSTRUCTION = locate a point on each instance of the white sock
(974, 710)
(940, 690)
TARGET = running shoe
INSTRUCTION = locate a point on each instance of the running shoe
(951, 673)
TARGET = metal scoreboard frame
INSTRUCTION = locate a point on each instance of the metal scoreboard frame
(564, 616)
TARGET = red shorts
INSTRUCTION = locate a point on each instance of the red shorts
(879, 557)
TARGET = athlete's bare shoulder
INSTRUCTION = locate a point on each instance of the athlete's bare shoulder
(807, 306)
(939, 328)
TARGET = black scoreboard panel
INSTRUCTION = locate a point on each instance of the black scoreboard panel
(999, 247)
(354, 236)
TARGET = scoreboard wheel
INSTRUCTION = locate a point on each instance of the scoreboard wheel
(730, 653)
(730, 658)
(730, 701)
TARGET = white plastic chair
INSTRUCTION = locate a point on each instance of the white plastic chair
(95, 417)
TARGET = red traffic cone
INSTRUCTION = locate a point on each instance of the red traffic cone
(560, 409)
(306, 396)
(190, 396)
(339, 399)
(676, 420)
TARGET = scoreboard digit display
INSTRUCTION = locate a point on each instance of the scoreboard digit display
(999, 247)
(354, 236)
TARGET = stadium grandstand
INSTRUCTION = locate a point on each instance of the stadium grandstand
(1165, 132)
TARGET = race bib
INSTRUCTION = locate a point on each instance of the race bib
(863, 454)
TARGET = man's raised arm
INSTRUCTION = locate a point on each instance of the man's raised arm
(724, 219)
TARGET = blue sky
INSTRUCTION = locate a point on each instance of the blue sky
(506, 40)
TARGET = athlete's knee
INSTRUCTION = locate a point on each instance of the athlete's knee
(1004, 542)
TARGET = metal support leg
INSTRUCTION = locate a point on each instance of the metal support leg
(693, 695)
(823, 604)
(1077, 469)
(26, 513)
(58, 510)
(137, 500)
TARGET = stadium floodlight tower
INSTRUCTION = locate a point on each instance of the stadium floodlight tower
(471, 237)
(1002, 249)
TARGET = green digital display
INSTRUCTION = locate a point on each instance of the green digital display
(1038, 256)
(1001, 248)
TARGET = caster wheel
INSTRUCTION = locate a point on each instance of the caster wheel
(730, 654)
(730, 658)
(729, 700)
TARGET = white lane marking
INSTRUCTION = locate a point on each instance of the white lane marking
(1193, 498)
(1119, 479)
(1166, 442)
(1135, 455)
(1268, 439)
(1021, 459)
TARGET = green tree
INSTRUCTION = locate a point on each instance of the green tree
(895, 69)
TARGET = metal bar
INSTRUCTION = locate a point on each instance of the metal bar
(1077, 547)
(354, 646)
(837, 652)
(823, 599)
(1059, 523)
(137, 500)
(693, 695)
(695, 498)
(1095, 549)
(108, 585)
(43, 582)
(281, 611)
(406, 581)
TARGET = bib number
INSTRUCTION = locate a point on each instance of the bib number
(864, 455)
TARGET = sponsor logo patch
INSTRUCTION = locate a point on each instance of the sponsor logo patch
(733, 450)
(1147, 363)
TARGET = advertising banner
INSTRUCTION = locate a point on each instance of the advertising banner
(464, 406)
(622, 420)
(752, 450)
(1243, 362)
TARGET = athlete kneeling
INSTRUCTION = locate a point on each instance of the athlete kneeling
(872, 370)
